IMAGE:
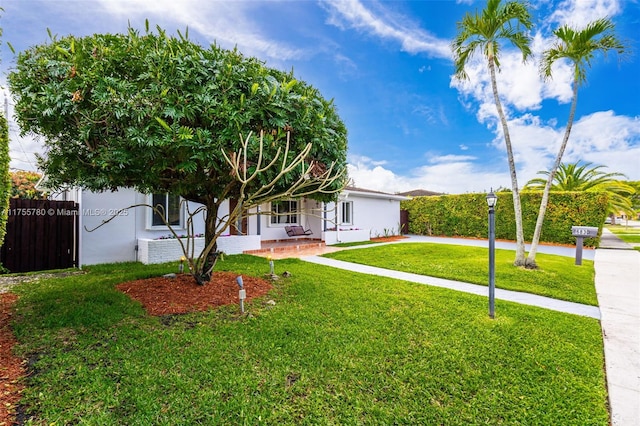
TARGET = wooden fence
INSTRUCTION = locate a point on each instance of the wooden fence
(41, 235)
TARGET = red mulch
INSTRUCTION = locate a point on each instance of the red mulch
(179, 295)
(388, 239)
(158, 295)
(11, 367)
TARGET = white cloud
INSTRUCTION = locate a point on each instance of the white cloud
(448, 174)
(605, 138)
(369, 174)
(227, 23)
(385, 24)
(345, 66)
(520, 86)
(602, 138)
(578, 13)
(451, 158)
(432, 114)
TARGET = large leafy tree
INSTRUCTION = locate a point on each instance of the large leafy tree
(579, 47)
(484, 32)
(586, 177)
(160, 113)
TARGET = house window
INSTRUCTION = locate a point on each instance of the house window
(346, 213)
(169, 208)
(284, 212)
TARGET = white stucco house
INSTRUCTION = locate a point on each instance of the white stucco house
(137, 234)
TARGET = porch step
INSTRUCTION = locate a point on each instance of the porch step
(287, 246)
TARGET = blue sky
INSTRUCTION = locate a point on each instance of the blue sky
(388, 67)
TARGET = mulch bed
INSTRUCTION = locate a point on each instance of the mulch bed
(12, 368)
(179, 295)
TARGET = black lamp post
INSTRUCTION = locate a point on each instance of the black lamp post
(492, 199)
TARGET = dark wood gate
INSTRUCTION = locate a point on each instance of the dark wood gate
(404, 222)
(41, 235)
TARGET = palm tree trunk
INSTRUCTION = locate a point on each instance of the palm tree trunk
(531, 259)
(517, 207)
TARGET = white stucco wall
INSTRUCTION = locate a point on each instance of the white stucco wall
(169, 250)
(116, 241)
(376, 212)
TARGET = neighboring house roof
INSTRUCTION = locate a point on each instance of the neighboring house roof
(420, 193)
(368, 193)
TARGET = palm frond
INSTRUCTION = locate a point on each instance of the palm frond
(498, 22)
(579, 47)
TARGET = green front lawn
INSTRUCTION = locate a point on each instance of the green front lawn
(635, 238)
(338, 348)
(621, 229)
(557, 276)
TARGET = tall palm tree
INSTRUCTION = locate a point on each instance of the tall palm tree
(579, 48)
(508, 22)
(583, 177)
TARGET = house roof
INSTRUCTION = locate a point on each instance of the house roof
(368, 193)
(420, 193)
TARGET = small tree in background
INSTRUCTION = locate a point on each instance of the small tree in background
(635, 198)
(162, 114)
(585, 177)
(23, 185)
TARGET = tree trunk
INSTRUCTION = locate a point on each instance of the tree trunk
(204, 268)
(531, 258)
(520, 259)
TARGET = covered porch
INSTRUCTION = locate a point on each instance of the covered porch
(297, 247)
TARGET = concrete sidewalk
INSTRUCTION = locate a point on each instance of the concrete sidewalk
(617, 281)
(617, 268)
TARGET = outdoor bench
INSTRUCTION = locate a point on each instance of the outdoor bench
(296, 231)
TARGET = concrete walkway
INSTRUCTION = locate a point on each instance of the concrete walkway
(617, 282)
(513, 296)
(617, 268)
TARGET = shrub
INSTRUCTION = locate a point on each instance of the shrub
(5, 179)
(465, 215)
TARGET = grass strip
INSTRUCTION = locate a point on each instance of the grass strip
(557, 276)
(621, 229)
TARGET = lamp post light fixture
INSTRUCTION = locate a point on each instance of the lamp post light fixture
(492, 199)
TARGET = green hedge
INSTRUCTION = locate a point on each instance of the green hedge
(465, 215)
(5, 178)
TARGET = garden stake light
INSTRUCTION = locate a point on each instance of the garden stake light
(271, 269)
(242, 294)
(492, 199)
